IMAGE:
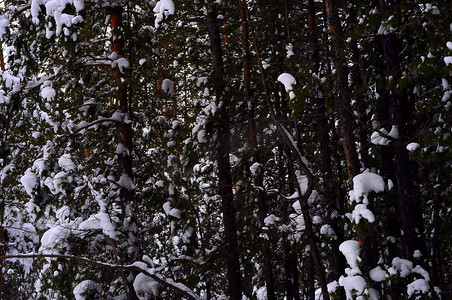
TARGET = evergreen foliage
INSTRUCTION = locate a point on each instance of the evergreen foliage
(202, 149)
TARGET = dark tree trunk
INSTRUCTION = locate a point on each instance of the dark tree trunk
(125, 173)
(343, 101)
(310, 278)
(266, 252)
(291, 280)
(400, 111)
(325, 148)
(284, 137)
(368, 240)
(358, 91)
(222, 157)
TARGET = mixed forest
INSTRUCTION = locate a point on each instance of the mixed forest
(225, 149)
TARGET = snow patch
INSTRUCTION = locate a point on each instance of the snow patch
(365, 183)
(85, 289)
(419, 286)
(412, 146)
(350, 249)
(168, 87)
(255, 168)
(361, 211)
(48, 93)
(145, 287)
(29, 181)
(162, 9)
(65, 162)
(377, 274)
(353, 285)
(288, 81)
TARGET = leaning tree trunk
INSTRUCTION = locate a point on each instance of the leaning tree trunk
(222, 157)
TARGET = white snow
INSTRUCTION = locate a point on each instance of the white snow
(29, 181)
(288, 81)
(102, 221)
(162, 9)
(53, 237)
(445, 83)
(174, 212)
(419, 286)
(361, 211)
(289, 49)
(200, 81)
(327, 230)
(168, 87)
(255, 168)
(449, 45)
(126, 182)
(402, 265)
(202, 136)
(353, 285)
(332, 286)
(3, 24)
(421, 271)
(261, 293)
(350, 249)
(379, 137)
(175, 124)
(412, 146)
(121, 63)
(167, 207)
(377, 274)
(365, 183)
(394, 133)
(65, 162)
(48, 93)
(145, 287)
(296, 205)
(80, 291)
(448, 60)
(270, 220)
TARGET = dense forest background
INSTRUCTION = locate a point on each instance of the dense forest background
(246, 149)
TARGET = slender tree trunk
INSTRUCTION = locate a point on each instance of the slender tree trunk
(291, 280)
(325, 148)
(368, 240)
(125, 135)
(222, 150)
(266, 252)
(302, 165)
(2, 240)
(2, 203)
(359, 89)
(343, 101)
(310, 280)
(400, 110)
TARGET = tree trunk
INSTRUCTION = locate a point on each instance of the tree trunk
(291, 280)
(222, 156)
(266, 252)
(285, 138)
(343, 100)
(325, 148)
(400, 110)
(359, 89)
(125, 134)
